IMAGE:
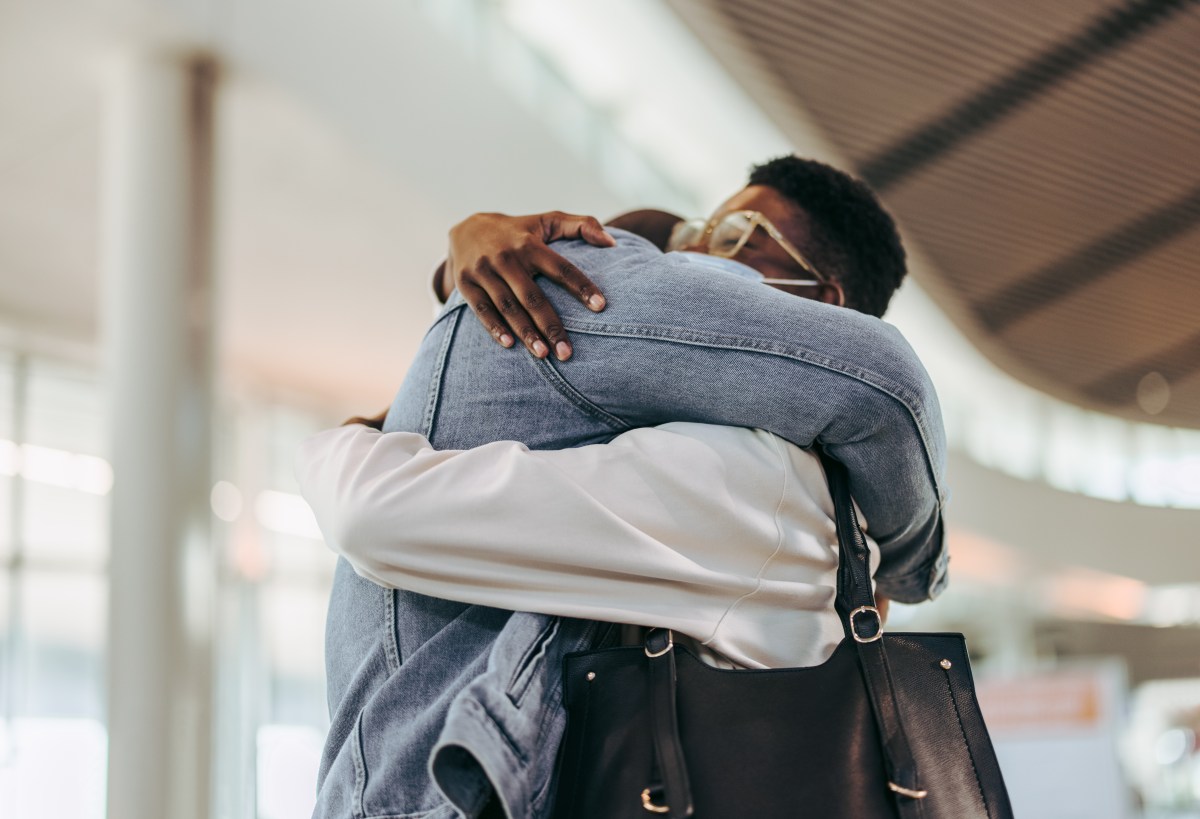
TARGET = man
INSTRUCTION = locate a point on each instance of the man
(436, 703)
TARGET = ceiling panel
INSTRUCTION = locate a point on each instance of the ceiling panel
(1110, 319)
(834, 54)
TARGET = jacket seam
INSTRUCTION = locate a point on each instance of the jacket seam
(360, 767)
(392, 644)
(425, 814)
(503, 733)
(555, 379)
(518, 684)
(435, 382)
(692, 338)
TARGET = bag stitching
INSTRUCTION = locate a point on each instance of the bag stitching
(587, 707)
(588, 640)
(967, 742)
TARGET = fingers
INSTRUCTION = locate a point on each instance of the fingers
(594, 233)
(502, 255)
(556, 268)
(480, 302)
(511, 307)
(543, 314)
(516, 300)
(559, 225)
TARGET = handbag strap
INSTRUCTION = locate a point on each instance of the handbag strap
(668, 749)
(861, 621)
(855, 604)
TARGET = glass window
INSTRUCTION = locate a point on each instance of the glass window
(53, 768)
(63, 615)
(8, 363)
(65, 525)
(9, 463)
(51, 729)
(272, 719)
(65, 410)
(8, 650)
(6, 514)
(1103, 463)
(1151, 472)
(1066, 438)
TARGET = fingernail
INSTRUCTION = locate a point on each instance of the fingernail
(596, 302)
(563, 350)
(506, 340)
(540, 349)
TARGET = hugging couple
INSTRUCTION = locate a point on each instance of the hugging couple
(622, 442)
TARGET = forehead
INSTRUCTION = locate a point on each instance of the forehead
(789, 217)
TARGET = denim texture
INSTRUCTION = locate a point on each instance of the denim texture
(434, 702)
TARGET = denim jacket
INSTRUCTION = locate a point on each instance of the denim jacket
(434, 703)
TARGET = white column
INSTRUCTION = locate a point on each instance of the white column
(157, 257)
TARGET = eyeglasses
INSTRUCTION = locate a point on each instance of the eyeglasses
(727, 235)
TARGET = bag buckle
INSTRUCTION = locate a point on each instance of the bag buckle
(878, 627)
(660, 652)
(909, 792)
(648, 803)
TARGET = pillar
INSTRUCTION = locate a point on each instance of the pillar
(156, 246)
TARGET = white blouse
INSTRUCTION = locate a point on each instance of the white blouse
(723, 534)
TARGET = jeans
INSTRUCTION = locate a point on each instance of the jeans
(435, 703)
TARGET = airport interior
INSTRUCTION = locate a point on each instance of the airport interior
(219, 220)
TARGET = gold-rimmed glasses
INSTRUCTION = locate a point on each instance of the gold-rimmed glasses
(727, 234)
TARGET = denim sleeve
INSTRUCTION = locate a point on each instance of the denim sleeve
(711, 348)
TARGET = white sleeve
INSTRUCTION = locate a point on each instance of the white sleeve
(667, 526)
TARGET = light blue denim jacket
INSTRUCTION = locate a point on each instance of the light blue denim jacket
(434, 703)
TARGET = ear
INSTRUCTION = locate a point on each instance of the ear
(831, 293)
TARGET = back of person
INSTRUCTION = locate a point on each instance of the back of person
(411, 676)
(463, 390)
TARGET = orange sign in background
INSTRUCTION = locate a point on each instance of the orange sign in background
(1055, 702)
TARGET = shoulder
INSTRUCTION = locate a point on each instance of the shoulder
(629, 246)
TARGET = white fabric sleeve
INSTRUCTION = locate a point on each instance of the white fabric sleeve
(611, 532)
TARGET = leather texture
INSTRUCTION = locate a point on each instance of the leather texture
(668, 744)
(855, 602)
(818, 742)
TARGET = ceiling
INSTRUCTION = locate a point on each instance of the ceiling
(333, 205)
(1044, 156)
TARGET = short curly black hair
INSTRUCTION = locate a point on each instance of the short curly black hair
(854, 237)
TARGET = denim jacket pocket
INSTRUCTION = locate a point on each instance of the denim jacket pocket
(363, 805)
(531, 661)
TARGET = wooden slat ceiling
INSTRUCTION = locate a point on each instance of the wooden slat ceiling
(1045, 156)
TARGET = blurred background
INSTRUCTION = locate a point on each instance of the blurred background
(218, 222)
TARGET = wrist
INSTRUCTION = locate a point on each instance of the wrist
(441, 287)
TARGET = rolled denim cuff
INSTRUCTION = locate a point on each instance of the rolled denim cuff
(921, 584)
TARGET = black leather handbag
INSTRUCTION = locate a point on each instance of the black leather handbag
(888, 726)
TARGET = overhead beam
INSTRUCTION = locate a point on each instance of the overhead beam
(1175, 364)
(1062, 277)
(1025, 83)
